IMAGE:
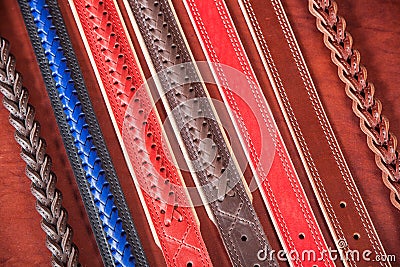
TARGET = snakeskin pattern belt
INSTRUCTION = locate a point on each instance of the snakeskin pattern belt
(98, 183)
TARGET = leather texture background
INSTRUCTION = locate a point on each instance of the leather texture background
(374, 26)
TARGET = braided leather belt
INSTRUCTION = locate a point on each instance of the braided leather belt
(333, 184)
(38, 170)
(175, 228)
(222, 188)
(366, 107)
(291, 212)
(97, 180)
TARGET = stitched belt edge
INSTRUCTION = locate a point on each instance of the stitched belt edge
(236, 251)
(38, 164)
(305, 216)
(107, 250)
(329, 214)
(366, 106)
(172, 257)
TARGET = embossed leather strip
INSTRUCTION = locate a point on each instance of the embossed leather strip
(118, 72)
(336, 191)
(291, 212)
(111, 221)
(38, 164)
(221, 184)
(366, 107)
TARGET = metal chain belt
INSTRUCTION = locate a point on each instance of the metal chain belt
(369, 109)
(38, 170)
(194, 119)
(140, 133)
(99, 185)
(222, 46)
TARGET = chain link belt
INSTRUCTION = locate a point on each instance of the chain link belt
(197, 127)
(333, 184)
(291, 212)
(366, 107)
(175, 228)
(98, 183)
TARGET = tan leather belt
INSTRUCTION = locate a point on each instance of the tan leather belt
(291, 212)
(193, 116)
(332, 182)
(172, 219)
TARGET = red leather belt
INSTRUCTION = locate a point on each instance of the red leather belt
(333, 184)
(291, 212)
(159, 183)
(203, 141)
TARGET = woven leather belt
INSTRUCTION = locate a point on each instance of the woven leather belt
(336, 191)
(33, 151)
(97, 180)
(175, 228)
(291, 212)
(199, 134)
(365, 105)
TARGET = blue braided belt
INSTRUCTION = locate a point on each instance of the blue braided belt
(75, 112)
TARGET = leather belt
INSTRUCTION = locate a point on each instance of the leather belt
(103, 198)
(175, 228)
(33, 151)
(333, 184)
(222, 188)
(291, 212)
(366, 107)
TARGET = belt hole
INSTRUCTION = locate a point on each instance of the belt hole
(189, 264)
(343, 204)
(356, 236)
(256, 265)
(244, 238)
(302, 236)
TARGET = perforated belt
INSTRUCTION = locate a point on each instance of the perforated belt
(193, 117)
(97, 180)
(291, 212)
(175, 226)
(336, 191)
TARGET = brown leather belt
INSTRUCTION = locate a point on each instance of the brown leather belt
(291, 212)
(332, 182)
(222, 188)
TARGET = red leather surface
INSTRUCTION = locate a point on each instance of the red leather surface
(119, 73)
(374, 26)
(290, 209)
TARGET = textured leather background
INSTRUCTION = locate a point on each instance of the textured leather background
(374, 26)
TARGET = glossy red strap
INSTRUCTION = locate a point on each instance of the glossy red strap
(281, 188)
(175, 228)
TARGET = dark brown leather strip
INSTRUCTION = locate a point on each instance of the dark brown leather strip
(332, 182)
(222, 187)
